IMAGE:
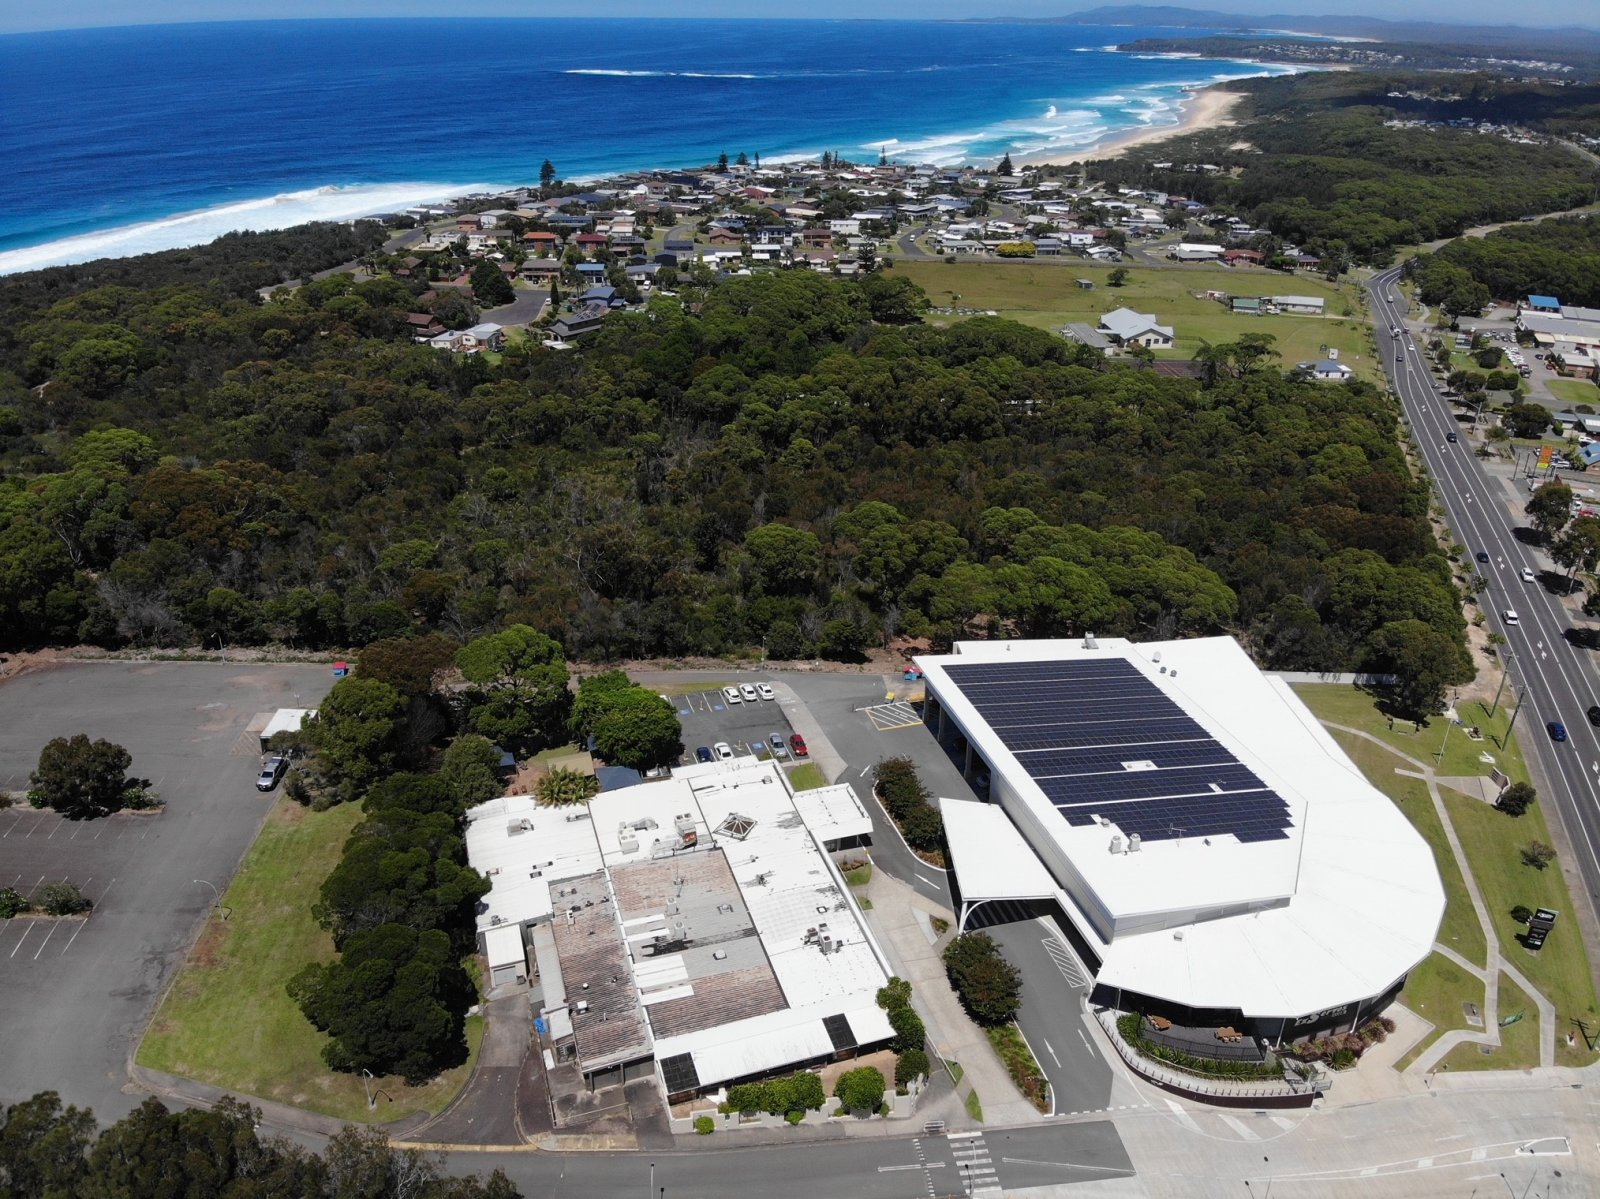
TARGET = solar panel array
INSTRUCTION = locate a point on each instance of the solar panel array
(1101, 739)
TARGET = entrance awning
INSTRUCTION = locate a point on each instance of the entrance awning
(990, 857)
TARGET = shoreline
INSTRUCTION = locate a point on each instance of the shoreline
(1202, 108)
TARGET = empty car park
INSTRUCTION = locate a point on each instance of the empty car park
(79, 991)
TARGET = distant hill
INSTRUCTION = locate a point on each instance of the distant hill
(1573, 37)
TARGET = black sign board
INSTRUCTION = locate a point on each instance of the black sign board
(1539, 928)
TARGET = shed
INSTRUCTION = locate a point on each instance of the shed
(284, 720)
(1249, 304)
(1085, 284)
(506, 954)
(1544, 304)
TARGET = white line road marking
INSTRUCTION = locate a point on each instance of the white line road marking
(911, 1166)
(56, 830)
(54, 924)
(1085, 1041)
(1050, 1049)
(22, 938)
(932, 882)
(1239, 1127)
(863, 773)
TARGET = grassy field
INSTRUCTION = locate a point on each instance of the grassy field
(1574, 391)
(227, 1020)
(1356, 708)
(1046, 296)
(1519, 1042)
(1492, 842)
(1435, 990)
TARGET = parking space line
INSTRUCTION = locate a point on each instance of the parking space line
(22, 938)
(54, 924)
(14, 824)
(55, 830)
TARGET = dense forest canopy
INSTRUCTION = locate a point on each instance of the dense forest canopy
(1551, 258)
(778, 469)
(1336, 162)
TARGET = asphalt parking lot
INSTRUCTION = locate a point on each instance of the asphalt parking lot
(78, 993)
(747, 726)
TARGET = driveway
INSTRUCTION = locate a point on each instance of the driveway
(79, 993)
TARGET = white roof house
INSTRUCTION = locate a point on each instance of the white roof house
(1314, 304)
(1212, 843)
(1126, 326)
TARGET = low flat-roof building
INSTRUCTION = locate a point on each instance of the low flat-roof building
(1221, 858)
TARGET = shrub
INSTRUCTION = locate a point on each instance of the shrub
(11, 903)
(860, 1089)
(1537, 854)
(1021, 1065)
(705, 1125)
(923, 828)
(910, 1066)
(894, 993)
(62, 899)
(1522, 913)
(1343, 1059)
(750, 1097)
(990, 987)
(1516, 799)
(909, 1031)
(795, 1117)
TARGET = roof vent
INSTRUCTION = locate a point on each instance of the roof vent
(1089, 642)
(1163, 670)
(1174, 672)
(1116, 843)
(1156, 657)
(1133, 843)
(1177, 935)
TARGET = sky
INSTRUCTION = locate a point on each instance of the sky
(24, 15)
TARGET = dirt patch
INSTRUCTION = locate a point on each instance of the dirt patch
(13, 666)
(208, 949)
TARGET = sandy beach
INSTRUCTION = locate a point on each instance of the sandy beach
(1205, 108)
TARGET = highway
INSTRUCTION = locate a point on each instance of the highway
(1560, 679)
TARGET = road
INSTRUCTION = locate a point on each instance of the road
(1560, 678)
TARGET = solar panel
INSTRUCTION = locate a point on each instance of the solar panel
(680, 1074)
(1101, 739)
(839, 1032)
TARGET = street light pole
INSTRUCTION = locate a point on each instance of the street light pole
(372, 1100)
(1449, 724)
(1521, 695)
(217, 895)
(1505, 669)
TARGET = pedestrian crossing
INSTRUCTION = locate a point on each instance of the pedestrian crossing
(974, 1164)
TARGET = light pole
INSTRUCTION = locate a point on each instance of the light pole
(652, 1189)
(1522, 694)
(372, 1100)
(1449, 724)
(217, 895)
(1505, 669)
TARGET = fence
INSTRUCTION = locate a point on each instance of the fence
(1223, 1092)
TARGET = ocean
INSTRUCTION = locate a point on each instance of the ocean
(121, 141)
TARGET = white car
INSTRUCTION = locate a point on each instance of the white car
(723, 750)
(749, 692)
(1509, 616)
(1528, 576)
(765, 691)
(779, 749)
(731, 694)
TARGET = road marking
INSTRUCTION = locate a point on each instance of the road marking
(54, 924)
(56, 830)
(1065, 962)
(1239, 1127)
(863, 773)
(932, 882)
(911, 1166)
(1085, 1041)
(1050, 1049)
(22, 938)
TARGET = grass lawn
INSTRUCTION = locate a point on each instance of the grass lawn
(1351, 706)
(974, 1107)
(1435, 990)
(860, 876)
(1047, 297)
(806, 776)
(1492, 842)
(1519, 1042)
(1460, 929)
(227, 1020)
(1574, 391)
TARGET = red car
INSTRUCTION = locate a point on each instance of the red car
(797, 746)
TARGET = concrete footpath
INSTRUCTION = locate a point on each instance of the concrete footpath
(901, 920)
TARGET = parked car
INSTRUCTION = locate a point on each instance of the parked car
(724, 750)
(797, 746)
(765, 691)
(749, 692)
(1557, 730)
(702, 753)
(273, 769)
(779, 750)
(731, 694)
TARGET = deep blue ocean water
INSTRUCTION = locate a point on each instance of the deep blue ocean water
(118, 141)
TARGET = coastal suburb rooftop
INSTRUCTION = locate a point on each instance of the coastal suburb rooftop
(1213, 844)
(698, 921)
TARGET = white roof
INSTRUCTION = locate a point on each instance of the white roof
(503, 946)
(765, 1043)
(992, 861)
(1336, 911)
(523, 848)
(286, 720)
(1198, 247)
(1299, 301)
(1126, 323)
(485, 330)
(833, 813)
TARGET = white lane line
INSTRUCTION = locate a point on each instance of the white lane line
(54, 924)
(932, 882)
(55, 830)
(911, 1166)
(1050, 1049)
(22, 938)
(863, 773)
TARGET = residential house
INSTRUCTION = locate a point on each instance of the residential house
(487, 336)
(643, 274)
(577, 324)
(468, 222)
(816, 237)
(1192, 251)
(1087, 335)
(1125, 327)
(424, 325)
(541, 241)
(723, 236)
(589, 243)
(1327, 370)
(604, 294)
(1243, 257)
(592, 271)
(540, 270)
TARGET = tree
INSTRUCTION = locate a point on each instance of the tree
(1516, 799)
(1005, 166)
(519, 698)
(743, 159)
(1578, 548)
(547, 173)
(471, 770)
(392, 1003)
(61, 899)
(1117, 277)
(1537, 854)
(12, 903)
(897, 991)
(355, 733)
(909, 1031)
(408, 664)
(595, 695)
(860, 1090)
(639, 729)
(490, 286)
(564, 787)
(910, 1066)
(1522, 913)
(79, 778)
(44, 1148)
(722, 162)
(1423, 661)
(1551, 508)
(786, 559)
(1526, 420)
(990, 988)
